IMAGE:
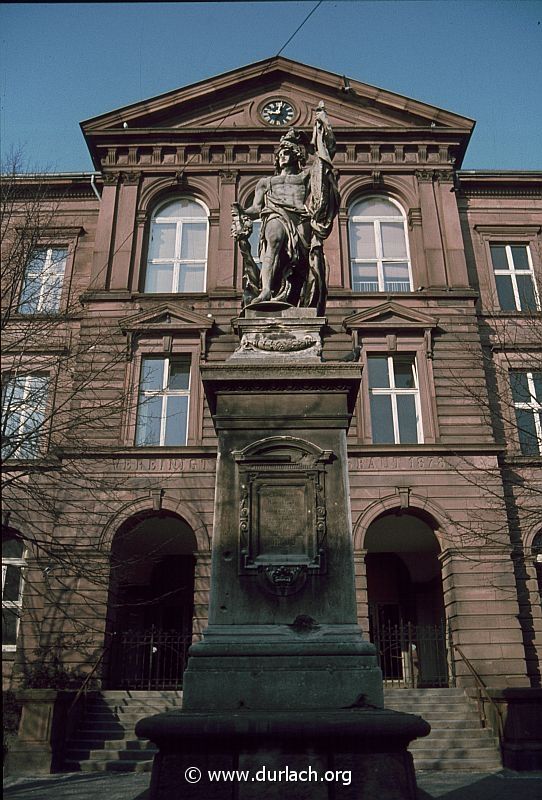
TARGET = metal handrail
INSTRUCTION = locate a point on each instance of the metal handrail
(88, 677)
(482, 688)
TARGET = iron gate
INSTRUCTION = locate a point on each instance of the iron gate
(411, 655)
(150, 659)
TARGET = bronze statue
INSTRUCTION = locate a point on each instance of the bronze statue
(297, 206)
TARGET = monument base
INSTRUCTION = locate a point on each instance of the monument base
(344, 754)
(279, 666)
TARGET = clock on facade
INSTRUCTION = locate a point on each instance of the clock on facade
(278, 112)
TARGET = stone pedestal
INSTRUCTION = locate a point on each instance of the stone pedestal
(45, 719)
(347, 754)
(282, 675)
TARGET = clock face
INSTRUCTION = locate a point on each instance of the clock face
(278, 112)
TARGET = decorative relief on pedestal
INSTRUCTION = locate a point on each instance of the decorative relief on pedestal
(280, 342)
(282, 512)
(284, 331)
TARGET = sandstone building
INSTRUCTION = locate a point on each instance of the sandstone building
(133, 281)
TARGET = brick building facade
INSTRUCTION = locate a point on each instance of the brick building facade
(434, 280)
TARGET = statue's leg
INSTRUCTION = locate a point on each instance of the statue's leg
(275, 238)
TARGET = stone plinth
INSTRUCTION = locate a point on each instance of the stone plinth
(321, 755)
(278, 330)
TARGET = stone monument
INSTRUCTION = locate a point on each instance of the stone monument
(283, 687)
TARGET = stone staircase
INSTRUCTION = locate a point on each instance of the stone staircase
(105, 740)
(457, 740)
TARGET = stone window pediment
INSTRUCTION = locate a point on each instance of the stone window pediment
(168, 318)
(390, 317)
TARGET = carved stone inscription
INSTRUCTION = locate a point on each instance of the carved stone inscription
(283, 517)
(282, 511)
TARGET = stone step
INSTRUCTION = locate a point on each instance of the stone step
(456, 764)
(433, 691)
(127, 714)
(457, 711)
(452, 749)
(112, 755)
(108, 766)
(113, 708)
(135, 694)
(78, 745)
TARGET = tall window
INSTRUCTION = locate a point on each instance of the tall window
(177, 258)
(164, 393)
(394, 399)
(514, 277)
(379, 255)
(12, 589)
(42, 285)
(24, 398)
(527, 398)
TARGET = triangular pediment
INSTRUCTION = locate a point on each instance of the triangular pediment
(235, 100)
(168, 318)
(389, 316)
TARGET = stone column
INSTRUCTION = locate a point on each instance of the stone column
(456, 264)
(104, 232)
(432, 236)
(124, 231)
(224, 278)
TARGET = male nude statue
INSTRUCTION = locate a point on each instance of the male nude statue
(286, 230)
(297, 206)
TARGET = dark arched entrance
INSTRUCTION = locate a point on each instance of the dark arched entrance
(406, 603)
(151, 602)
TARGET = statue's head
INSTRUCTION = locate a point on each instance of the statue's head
(289, 145)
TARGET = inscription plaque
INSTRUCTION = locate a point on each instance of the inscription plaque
(282, 516)
(282, 520)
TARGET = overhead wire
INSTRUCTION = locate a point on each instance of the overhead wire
(230, 111)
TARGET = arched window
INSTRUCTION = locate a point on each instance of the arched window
(177, 257)
(12, 588)
(379, 255)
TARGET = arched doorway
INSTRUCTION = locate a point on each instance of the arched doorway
(151, 602)
(406, 602)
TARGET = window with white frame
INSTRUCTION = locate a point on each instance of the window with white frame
(379, 251)
(43, 279)
(12, 589)
(24, 399)
(514, 277)
(163, 407)
(177, 255)
(527, 398)
(394, 399)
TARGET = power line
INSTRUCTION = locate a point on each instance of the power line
(300, 26)
(228, 113)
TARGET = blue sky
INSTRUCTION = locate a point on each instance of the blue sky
(63, 63)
